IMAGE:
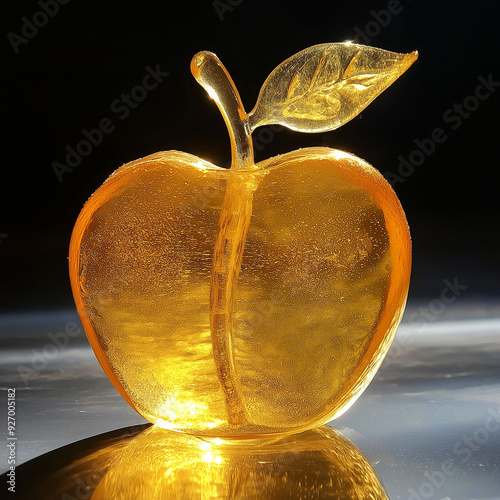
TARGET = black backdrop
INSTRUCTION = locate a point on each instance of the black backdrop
(71, 71)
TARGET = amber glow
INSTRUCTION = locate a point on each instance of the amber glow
(259, 299)
(162, 464)
(316, 275)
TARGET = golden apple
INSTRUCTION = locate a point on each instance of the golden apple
(259, 299)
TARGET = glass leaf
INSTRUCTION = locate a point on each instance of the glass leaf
(325, 86)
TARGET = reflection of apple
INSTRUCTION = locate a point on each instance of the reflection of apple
(161, 464)
(266, 304)
(320, 463)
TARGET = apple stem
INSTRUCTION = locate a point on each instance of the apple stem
(214, 78)
(234, 221)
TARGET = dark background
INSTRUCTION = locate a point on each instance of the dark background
(65, 78)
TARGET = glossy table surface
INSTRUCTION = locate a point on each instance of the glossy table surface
(428, 425)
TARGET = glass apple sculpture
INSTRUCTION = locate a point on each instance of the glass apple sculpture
(260, 299)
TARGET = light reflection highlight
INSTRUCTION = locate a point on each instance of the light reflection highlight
(161, 464)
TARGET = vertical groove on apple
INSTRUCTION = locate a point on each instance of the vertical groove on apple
(233, 227)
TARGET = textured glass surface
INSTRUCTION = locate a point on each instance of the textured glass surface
(322, 283)
(260, 299)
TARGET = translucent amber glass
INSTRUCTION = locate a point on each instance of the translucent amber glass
(322, 285)
(160, 464)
